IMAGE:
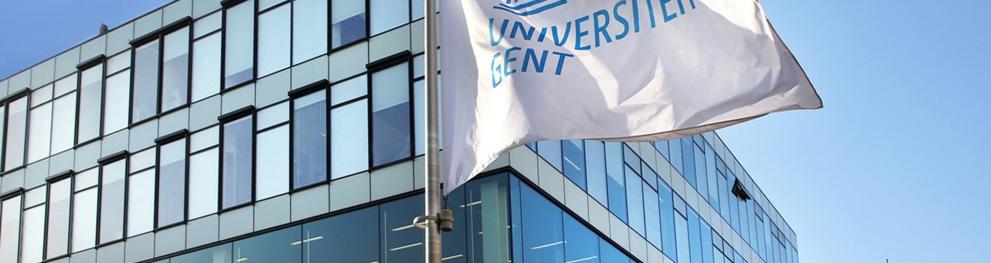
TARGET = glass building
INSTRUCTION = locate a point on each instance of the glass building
(247, 131)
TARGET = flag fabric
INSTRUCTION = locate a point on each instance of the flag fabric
(519, 71)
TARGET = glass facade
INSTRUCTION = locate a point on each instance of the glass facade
(291, 131)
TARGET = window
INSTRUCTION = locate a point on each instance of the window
(611, 253)
(17, 117)
(634, 198)
(581, 245)
(203, 186)
(706, 246)
(90, 101)
(10, 224)
(652, 216)
(278, 246)
(543, 237)
(59, 203)
(172, 183)
(112, 201)
(84, 210)
(681, 234)
(145, 100)
(273, 40)
(349, 139)
(239, 28)
(273, 147)
(175, 69)
(64, 123)
(33, 234)
(666, 203)
(3, 116)
(390, 115)
(388, 14)
(116, 109)
(573, 153)
(206, 66)
(550, 151)
(217, 254)
(616, 183)
(237, 144)
(309, 34)
(39, 143)
(595, 165)
(348, 19)
(401, 241)
(346, 238)
(419, 118)
(310, 139)
(141, 202)
(694, 237)
(688, 162)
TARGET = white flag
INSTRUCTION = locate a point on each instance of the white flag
(519, 71)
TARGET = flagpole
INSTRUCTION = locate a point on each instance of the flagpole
(432, 188)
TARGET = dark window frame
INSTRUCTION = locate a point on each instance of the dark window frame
(159, 143)
(159, 35)
(320, 85)
(233, 116)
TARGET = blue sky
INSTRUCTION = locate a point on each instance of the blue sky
(895, 165)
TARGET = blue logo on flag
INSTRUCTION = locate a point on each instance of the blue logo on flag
(529, 7)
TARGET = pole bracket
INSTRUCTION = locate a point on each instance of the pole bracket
(444, 219)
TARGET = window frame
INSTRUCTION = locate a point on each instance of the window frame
(69, 176)
(225, 6)
(373, 67)
(257, 14)
(330, 27)
(159, 143)
(18, 192)
(320, 85)
(98, 61)
(24, 93)
(159, 35)
(123, 156)
(233, 116)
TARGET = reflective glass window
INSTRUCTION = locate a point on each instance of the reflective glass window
(273, 172)
(116, 109)
(206, 67)
(688, 162)
(10, 224)
(681, 234)
(634, 198)
(217, 254)
(64, 123)
(543, 233)
(349, 139)
(349, 89)
(310, 139)
(172, 183)
(610, 253)
(59, 203)
(486, 209)
(419, 98)
(112, 201)
(652, 216)
(278, 246)
(90, 101)
(39, 142)
(390, 115)
(239, 31)
(203, 186)
(573, 158)
(551, 152)
(237, 157)
(141, 203)
(387, 14)
(349, 237)
(145, 100)
(666, 204)
(581, 244)
(348, 20)
(694, 237)
(595, 165)
(175, 69)
(401, 240)
(33, 234)
(17, 117)
(273, 40)
(617, 181)
(84, 219)
(309, 35)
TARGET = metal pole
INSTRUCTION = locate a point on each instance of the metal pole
(433, 191)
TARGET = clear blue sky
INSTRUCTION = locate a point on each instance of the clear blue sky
(895, 165)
